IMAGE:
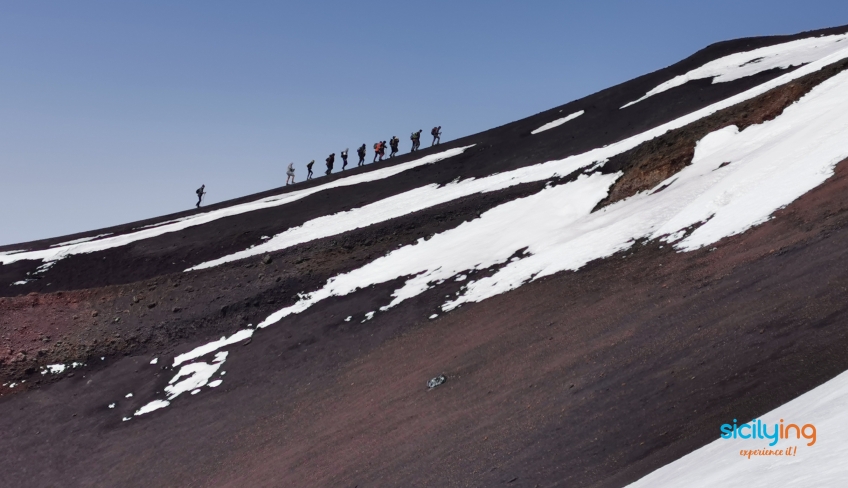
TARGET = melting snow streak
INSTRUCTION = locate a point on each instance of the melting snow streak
(558, 122)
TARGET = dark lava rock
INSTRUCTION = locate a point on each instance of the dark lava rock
(437, 381)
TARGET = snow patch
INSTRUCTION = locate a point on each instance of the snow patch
(213, 346)
(54, 369)
(44, 267)
(152, 406)
(196, 375)
(558, 122)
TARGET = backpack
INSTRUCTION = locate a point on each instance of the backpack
(377, 146)
(434, 131)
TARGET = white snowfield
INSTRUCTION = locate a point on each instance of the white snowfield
(558, 122)
(81, 246)
(822, 464)
(749, 63)
(771, 165)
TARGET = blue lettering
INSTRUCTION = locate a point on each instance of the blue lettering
(726, 431)
(774, 437)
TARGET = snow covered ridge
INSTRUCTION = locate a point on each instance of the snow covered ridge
(749, 63)
(431, 195)
(81, 246)
(722, 462)
(771, 165)
(558, 122)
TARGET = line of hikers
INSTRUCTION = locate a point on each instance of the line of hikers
(379, 153)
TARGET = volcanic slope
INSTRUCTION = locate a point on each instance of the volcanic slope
(603, 285)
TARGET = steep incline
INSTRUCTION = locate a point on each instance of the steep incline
(603, 284)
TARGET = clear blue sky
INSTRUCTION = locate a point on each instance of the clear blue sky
(116, 111)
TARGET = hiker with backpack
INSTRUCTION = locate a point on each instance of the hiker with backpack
(361, 153)
(377, 147)
(290, 174)
(393, 142)
(344, 158)
(437, 135)
(416, 140)
(330, 163)
(309, 168)
(382, 150)
(200, 192)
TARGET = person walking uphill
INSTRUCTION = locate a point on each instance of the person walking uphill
(437, 135)
(309, 168)
(394, 141)
(378, 147)
(290, 174)
(330, 163)
(416, 140)
(200, 192)
(344, 159)
(361, 153)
